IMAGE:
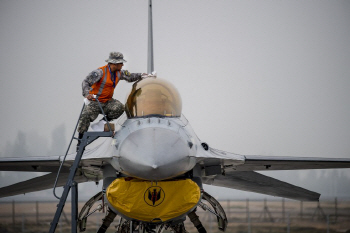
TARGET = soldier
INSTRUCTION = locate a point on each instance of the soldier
(101, 82)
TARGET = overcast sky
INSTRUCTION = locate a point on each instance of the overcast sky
(256, 77)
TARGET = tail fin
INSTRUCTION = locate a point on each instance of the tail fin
(150, 63)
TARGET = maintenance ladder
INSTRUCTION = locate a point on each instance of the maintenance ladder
(88, 138)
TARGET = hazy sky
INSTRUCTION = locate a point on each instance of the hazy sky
(256, 77)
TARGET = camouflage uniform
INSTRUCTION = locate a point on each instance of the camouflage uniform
(112, 108)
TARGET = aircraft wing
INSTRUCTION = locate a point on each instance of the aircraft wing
(94, 157)
(38, 184)
(30, 164)
(258, 183)
(260, 163)
(238, 162)
(239, 172)
(90, 170)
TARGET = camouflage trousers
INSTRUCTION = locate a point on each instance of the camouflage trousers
(112, 108)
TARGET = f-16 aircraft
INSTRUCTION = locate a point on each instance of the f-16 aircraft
(153, 167)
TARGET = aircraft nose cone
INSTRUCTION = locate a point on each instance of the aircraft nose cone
(154, 154)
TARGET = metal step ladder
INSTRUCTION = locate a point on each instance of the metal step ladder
(71, 185)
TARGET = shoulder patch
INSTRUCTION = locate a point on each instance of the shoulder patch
(97, 72)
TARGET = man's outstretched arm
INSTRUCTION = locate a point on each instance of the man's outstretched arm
(130, 77)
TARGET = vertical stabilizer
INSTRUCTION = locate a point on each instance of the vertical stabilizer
(150, 64)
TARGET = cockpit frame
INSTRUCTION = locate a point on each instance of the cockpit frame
(153, 97)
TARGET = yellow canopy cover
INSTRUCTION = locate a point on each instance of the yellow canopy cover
(153, 201)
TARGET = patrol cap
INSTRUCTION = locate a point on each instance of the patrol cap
(115, 58)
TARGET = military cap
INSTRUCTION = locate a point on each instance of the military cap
(115, 58)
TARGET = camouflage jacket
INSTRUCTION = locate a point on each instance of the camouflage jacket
(97, 74)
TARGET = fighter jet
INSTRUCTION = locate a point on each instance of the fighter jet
(153, 167)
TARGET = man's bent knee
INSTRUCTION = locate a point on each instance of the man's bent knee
(114, 109)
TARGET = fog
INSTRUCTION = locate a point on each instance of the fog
(255, 77)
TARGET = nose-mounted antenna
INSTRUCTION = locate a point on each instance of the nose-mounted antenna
(150, 63)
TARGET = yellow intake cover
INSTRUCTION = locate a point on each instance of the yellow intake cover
(152, 201)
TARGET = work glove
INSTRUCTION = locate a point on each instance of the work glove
(153, 75)
(88, 98)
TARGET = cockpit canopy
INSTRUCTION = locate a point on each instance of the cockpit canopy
(153, 97)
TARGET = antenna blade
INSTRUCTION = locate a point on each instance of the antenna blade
(150, 63)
